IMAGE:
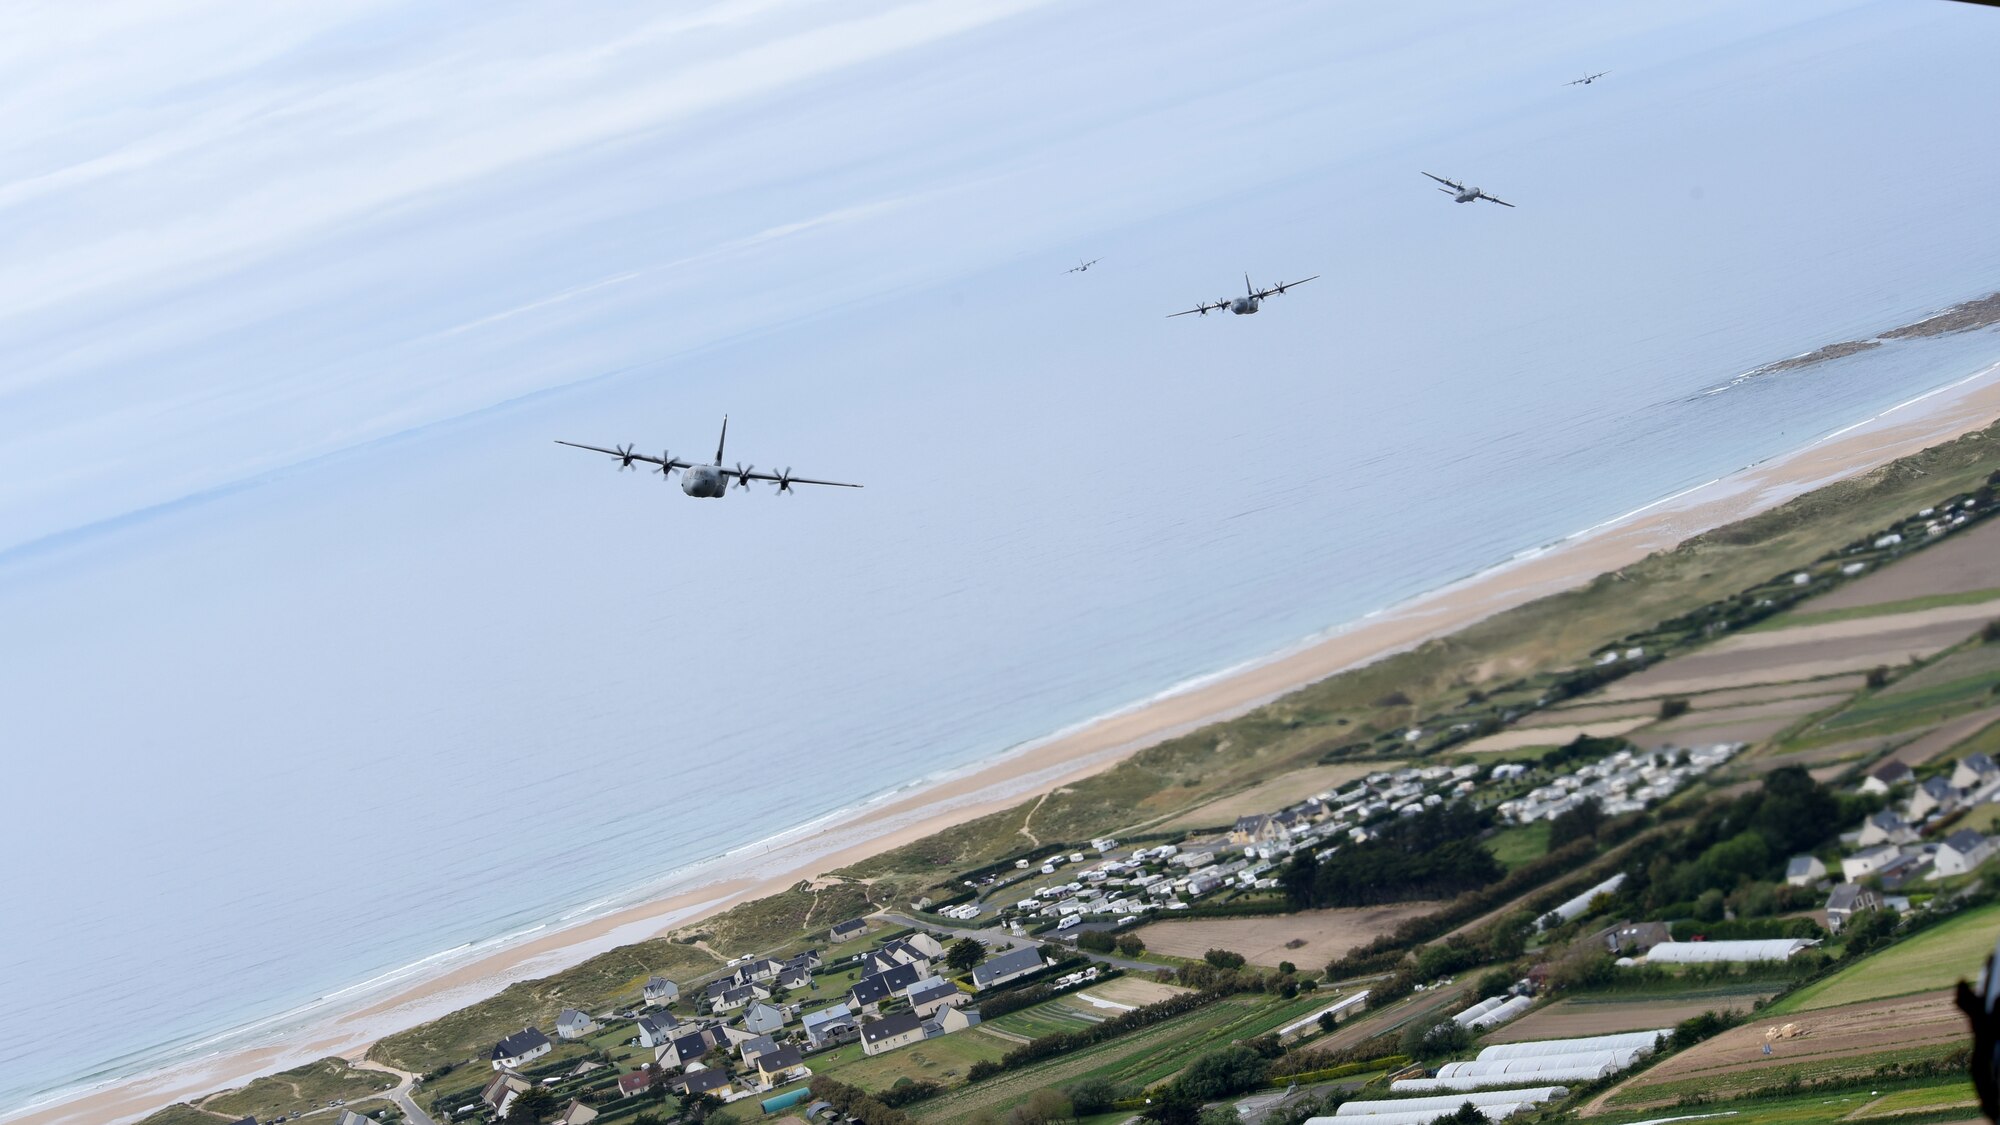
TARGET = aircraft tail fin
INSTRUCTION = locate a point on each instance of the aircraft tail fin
(723, 440)
(1248, 291)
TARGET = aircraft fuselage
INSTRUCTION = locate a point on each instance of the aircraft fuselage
(704, 481)
(1466, 195)
(1243, 306)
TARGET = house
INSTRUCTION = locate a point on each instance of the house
(926, 997)
(708, 1080)
(637, 1082)
(871, 991)
(573, 1024)
(1886, 827)
(810, 960)
(949, 1020)
(1630, 939)
(891, 1032)
(995, 971)
(731, 999)
(1904, 870)
(686, 1046)
(1974, 771)
(660, 990)
(657, 1029)
(499, 1093)
(1962, 851)
(347, 1117)
(849, 930)
(829, 1025)
(1804, 871)
(750, 1048)
(795, 977)
(576, 1113)
(1933, 795)
(763, 1018)
(930, 948)
(521, 1047)
(773, 1066)
(1847, 900)
(1887, 776)
(756, 969)
(1862, 864)
(1260, 831)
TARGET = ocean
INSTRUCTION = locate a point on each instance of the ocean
(337, 666)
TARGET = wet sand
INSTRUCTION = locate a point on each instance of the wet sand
(1940, 416)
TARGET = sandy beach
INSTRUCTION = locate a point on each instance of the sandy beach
(1939, 416)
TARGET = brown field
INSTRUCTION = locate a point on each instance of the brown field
(1326, 934)
(1751, 723)
(1803, 653)
(1837, 1041)
(1960, 565)
(1568, 1019)
(1710, 700)
(1134, 990)
(1838, 753)
(1275, 793)
(1590, 711)
(1518, 738)
(1944, 736)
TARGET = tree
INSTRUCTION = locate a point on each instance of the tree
(1092, 1095)
(531, 1106)
(697, 1107)
(1327, 1022)
(1673, 708)
(1220, 1074)
(1219, 1115)
(1042, 1107)
(1096, 941)
(1287, 968)
(1878, 676)
(1131, 945)
(1579, 823)
(1223, 959)
(964, 953)
(1173, 1108)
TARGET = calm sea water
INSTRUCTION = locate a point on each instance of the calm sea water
(302, 729)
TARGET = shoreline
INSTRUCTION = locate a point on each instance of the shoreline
(923, 807)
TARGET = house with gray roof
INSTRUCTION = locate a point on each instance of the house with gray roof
(1887, 776)
(1960, 852)
(891, 1032)
(657, 1028)
(1847, 900)
(996, 971)
(1974, 771)
(763, 1018)
(877, 988)
(521, 1047)
(660, 990)
(1804, 870)
(572, 1024)
(926, 997)
(750, 1048)
(849, 930)
(829, 1025)
(1933, 795)
(708, 1080)
(1886, 827)
(773, 1067)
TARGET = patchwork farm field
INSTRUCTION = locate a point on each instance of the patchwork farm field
(1966, 563)
(1520, 738)
(1936, 958)
(1934, 1098)
(1805, 652)
(1849, 1041)
(1308, 938)
(1046, 1018)
(1583, 1016)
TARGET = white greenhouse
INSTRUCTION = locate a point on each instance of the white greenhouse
(1709, 952)
(1628, 1040)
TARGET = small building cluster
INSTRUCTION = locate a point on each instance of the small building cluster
(1625, 781)
(1907, 843)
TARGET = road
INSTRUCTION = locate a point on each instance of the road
(401, 1094)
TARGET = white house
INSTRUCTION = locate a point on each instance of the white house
(573, 1024)
(891, 1032)
(660, 990)
(1804, 871)
(1960, 852)
(657, 1028)
(1862, 864)
(1886, 827)
(1974, 771)
(999, 970)
(521, 1047)
(1886, 776)
(1847, 900)
(761, 1017)
(1935, 795)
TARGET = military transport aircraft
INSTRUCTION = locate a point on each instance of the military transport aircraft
(1084, 266)
(1244, 305)
(1461, 194)
(1588, 79)
(706, 481)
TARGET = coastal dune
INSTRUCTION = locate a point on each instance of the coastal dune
(1937, 417)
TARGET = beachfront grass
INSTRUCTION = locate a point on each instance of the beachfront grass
(1936, 958)
(1797, 618)
(181, 1113)
(300, 1089)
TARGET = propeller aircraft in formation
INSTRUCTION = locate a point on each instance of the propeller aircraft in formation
(1084, 266)
(706, 481)
(1588, 79)
(1247, 303)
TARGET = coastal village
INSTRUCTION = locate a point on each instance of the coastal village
(1745, 846)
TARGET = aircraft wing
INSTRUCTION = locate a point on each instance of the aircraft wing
(789, 480)
(1452, 184)
(1200, 309)
(1491, 199)
(1281, 287)
(628, 455)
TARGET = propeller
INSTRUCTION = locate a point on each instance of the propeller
(743, 474)
(785, 479)
(625, 456)
(666, 468)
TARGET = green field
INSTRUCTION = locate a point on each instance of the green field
(1936, 958)
(1046, 1018)
(1520, 844)
(1880, 609)
(1922, 1099)
(1925, 1097)
(1887, 712)
(943, 1059)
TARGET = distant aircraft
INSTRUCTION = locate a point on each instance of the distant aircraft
(1585, 81)
(1461, 194)
(1084, 266)
(706, 481)
(1244, 305)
